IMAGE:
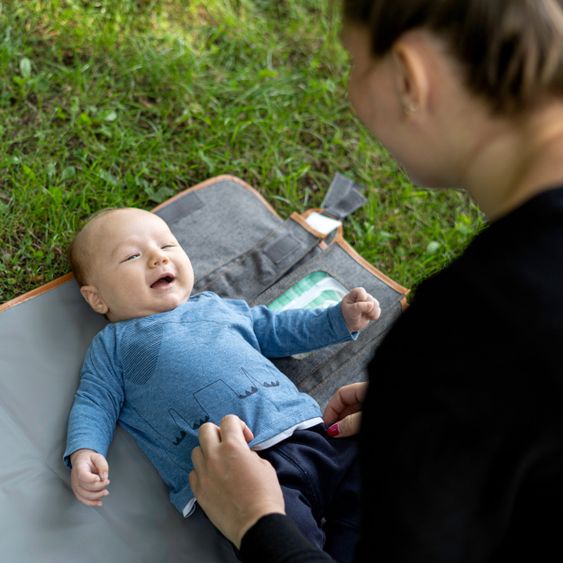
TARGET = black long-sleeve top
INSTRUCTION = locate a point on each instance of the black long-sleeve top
(462, 432)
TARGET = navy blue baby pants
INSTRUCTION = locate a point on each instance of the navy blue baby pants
(320, 480)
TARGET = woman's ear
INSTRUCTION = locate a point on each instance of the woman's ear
(411, 74)
(94, 299)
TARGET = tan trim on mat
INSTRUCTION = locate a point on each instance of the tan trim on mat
(301, 221)
(36, 292)
(305, 214)
(338, 239)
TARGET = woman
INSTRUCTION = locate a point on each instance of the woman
(462, 425)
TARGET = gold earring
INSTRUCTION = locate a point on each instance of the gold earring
(408, 107)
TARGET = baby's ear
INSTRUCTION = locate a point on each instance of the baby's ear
(93, 298)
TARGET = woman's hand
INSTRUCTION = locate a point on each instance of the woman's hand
(234, 485)
(343, 412)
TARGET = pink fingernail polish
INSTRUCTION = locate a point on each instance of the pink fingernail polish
(333, 430)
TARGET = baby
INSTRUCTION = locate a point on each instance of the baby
(169, 362)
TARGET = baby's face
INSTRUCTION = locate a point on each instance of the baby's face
(139, 268)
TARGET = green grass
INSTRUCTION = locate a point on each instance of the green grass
(124, 102)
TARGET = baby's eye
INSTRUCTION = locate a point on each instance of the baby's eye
(168, 246)
(131, 257)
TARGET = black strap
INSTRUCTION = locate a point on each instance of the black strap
(343, 197)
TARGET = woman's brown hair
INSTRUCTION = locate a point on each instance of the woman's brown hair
(511, 50)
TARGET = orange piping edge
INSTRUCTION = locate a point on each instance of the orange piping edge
(338, 239)
(36, 292)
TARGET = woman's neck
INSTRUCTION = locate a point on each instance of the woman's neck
(514, 159)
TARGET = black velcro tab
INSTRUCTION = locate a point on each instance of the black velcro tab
(343, 197)
(281, 247)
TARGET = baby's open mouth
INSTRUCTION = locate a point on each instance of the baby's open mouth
(164, 281)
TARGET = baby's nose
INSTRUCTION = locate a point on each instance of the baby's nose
(159, 258)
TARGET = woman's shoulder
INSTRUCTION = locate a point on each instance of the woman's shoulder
(518, 257)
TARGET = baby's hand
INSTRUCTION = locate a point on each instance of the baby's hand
(89, 476)
(359, 308)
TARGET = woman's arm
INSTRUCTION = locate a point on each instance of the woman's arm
(276, 539)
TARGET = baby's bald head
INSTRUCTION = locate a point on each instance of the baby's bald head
(81, 249)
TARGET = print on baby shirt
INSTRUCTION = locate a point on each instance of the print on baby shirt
(183, 371)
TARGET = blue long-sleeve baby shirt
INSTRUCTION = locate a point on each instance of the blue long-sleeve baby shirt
(162, 376)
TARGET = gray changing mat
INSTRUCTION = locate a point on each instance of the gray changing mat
(239, 247)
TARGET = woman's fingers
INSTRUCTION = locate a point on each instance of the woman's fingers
(347, 400)
(348, 426)
(232, 484)
(232, 427)
(209, 435)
